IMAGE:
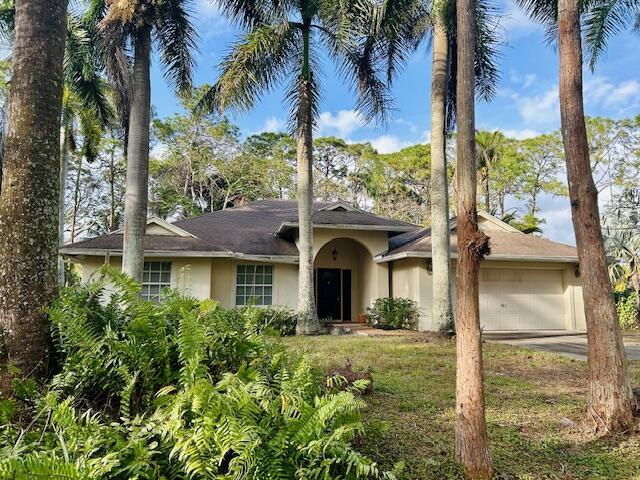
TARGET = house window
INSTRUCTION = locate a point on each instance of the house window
(155, 278)
(254, 285)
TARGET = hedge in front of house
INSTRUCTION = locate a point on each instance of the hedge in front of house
(276, 321)
(628, 310)
(393, 314)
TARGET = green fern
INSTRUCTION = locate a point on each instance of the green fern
(178, 390)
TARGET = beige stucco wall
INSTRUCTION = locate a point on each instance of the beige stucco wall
(223, 282)
(191, 276)
(411, 279)
(216, 277)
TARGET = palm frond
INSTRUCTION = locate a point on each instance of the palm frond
(605, 18)
(95, 13)
(91, 129)
(487, 54)
(544, 12)
(177, 41)
(118, 62)
(364, 73)
(255, 64)
(7, 20)
(82, 70)
(248, 13)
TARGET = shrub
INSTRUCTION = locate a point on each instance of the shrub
(393, 314)
(269, 320)
(180, 390)
(627, 306)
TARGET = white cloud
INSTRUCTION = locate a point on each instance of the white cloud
(515, 23)
(540, 109)
(388, 143)
(210, 19)
(557, 215)
(207, 8)
(343, 123)
(410, 125)
(524, 80)
(273, 124)
(602, 90)
(520, 134)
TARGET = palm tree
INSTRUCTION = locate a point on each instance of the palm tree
(135, 22)
(523, 225)
(443, 114)
(29, 199)
(283, 43)
(84, 102)
(472, 449)
(605, 18)
(84, 95)
(610, 398)
(441, 100)
(488, 151)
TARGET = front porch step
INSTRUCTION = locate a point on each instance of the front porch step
(344, 328)
(367, 331)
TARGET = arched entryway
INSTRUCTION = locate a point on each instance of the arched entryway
(343, 269)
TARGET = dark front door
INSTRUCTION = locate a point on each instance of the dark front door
(329, 297)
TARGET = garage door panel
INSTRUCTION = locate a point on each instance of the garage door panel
(521, 299)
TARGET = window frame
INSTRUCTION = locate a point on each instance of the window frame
(251, 271)
(163, 270)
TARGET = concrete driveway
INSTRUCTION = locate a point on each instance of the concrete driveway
(572, 345)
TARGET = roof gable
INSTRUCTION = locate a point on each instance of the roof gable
(157, 226)
(339, 206)
(488, 222)
(506, 243)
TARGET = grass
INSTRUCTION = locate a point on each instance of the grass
(530, 395)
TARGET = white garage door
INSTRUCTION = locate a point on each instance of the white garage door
(521, 299)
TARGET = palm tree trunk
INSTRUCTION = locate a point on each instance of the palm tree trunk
(112, 192)
(137, 191)
(487, 192)
(472, 450)
(307, 316)
(64, 159)
(610, 399)
(442, 309)
(76, 200)
(30, 189)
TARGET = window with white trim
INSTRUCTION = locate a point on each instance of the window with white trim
(254, 285)
(156, 276)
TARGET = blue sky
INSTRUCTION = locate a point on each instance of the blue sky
(526, 103)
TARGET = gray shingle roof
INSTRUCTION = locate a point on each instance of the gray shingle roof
(503, 244)
(248, 229)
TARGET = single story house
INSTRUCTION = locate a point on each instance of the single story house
(248, 254)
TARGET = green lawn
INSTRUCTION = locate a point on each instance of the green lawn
(410, 417)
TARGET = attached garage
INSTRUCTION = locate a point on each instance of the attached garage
(527, 282)
(521, 299)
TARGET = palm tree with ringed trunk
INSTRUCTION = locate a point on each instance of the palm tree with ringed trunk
(283, 42)
(472, 445)
(128, 31)
(30, 188)
(443, 117)
(610, 399)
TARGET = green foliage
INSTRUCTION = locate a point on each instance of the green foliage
(267, 320)
(393, 314)
(627, 306)
(182, 390)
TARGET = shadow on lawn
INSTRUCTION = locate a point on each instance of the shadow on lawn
(531, 397)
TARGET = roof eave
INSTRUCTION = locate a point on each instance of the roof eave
(73, 252)
(287, 226)
(513, 258)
